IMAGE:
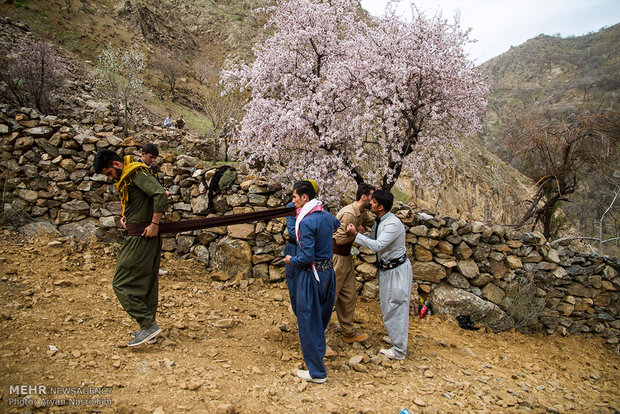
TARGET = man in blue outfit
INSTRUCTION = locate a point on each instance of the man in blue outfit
(316, 281)
(291, 249)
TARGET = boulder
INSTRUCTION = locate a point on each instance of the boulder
(200, 204)
(458, 280)
(28, 195)
(463, 251)
(83, 230)
(40, 131)
(468, 268)
(371, 289)
(184, 243)
(428, 271)
(493, 293)
(243, 231)
(482, 280)
(422, 254)
(447, 299)
(38, 228)
(367, 271)
(276, 273)
(232, 256)
(261, 271)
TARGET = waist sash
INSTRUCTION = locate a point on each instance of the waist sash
(320, 265)
(343, 249)
(136, 229)
(392, 263)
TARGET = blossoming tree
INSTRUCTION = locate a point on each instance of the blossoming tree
(339, 96)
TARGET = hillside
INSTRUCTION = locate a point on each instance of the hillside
(556, 72)
(560, 74)
(197, 35)
(203, 34)
(188, 28)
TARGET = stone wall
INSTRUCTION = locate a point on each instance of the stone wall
(500, 277)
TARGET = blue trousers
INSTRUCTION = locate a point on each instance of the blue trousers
(315, 302)
(292, 274)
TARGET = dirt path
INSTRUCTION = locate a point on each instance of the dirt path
(235, 349)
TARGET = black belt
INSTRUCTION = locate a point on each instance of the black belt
(320, 265)
(392, 263)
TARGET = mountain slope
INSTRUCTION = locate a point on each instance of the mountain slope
(216, 30)
(563, 75)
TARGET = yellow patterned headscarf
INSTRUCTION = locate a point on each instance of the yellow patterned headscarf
(123, 183)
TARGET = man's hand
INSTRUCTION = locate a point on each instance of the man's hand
(287, 259)
(124, 222)
(361, 229)
(351, 230)
(151, 230)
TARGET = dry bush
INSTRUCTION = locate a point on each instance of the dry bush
(33, 73)
(521, 302)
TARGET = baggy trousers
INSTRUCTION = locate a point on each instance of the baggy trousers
(394, 296)
(136, 280)
(292, 275)
(314, 308)
(346, 296)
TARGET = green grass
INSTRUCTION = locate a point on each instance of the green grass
(196, 122)
(400, 195)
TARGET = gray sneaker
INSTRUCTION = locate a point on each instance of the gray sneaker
(144, 335)
(150, 341)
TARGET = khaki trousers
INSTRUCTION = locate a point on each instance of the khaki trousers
(346, 295)
(136, 280)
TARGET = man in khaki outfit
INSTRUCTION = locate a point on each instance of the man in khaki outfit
(355, 213)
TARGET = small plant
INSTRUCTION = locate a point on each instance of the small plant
(9, 215)
(521, 302)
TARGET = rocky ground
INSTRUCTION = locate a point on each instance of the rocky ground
(233, 347)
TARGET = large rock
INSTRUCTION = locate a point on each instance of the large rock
(261, 271)
(468, 268)
(42, 131)
(76, 205)
(371, 289)
(453, 301)
(276, 273)
(429, 271)
(200, 204)
(493, 293)
(38, 228)
(367, 271)
(422, 254)
(184, 243)
(28, 195)
(482, 280)
(82, 230)
(463, 251)
(577, 289)
(457, 280)
(243, 231)
(232, 256)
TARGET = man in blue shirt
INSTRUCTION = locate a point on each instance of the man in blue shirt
(316, 284)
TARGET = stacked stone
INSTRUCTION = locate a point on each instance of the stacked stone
(47, 162)
(500, 277)
(505, 278)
